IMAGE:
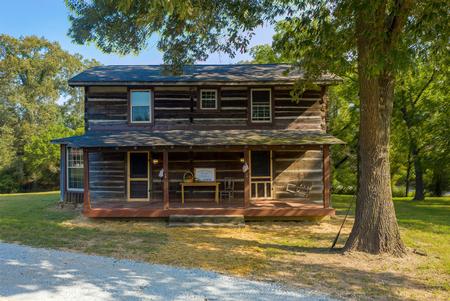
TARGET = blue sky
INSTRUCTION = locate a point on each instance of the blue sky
(49, 19)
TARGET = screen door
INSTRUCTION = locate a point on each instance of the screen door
(138, 176)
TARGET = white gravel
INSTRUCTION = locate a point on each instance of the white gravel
(39, 274)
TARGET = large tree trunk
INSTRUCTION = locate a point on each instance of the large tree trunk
(375, 229)
(420, 194)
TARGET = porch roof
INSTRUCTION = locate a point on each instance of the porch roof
(198, 138)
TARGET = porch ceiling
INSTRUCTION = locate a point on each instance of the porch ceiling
(198, 138)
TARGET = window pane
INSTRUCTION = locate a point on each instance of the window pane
(262, 97)
(75, 178)
(140, 113)
(261, 112)
(75, 171)
(140, 98)
(75, 157)
(261, 108)
(140, 106)
(208, 99)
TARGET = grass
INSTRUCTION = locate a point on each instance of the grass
(296, 254)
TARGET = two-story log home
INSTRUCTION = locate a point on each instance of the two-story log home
(215, 140)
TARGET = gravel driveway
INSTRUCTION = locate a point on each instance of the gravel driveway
(39, 274)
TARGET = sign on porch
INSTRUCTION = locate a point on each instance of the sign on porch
(205, 174)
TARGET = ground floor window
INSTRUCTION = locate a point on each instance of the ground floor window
(75, 168)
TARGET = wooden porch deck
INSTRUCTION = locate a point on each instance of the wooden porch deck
(257, 208)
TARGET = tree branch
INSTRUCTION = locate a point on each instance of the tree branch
(396, 20)
(427, 84)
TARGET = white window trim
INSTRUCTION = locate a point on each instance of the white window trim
(67, 172)
(150, 109)
(270, 105)
(201, 99)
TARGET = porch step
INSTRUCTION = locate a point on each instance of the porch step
(206, 220)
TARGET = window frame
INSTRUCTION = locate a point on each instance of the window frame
(150, 106)
(270, 105)
(67, 169)
(216, 103)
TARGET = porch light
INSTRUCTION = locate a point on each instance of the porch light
(242, 160)
(155, 161)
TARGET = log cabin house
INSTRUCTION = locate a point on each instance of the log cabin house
(215, 140)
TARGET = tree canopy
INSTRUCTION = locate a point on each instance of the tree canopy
(33, 79)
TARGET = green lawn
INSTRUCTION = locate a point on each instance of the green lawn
(296, 254)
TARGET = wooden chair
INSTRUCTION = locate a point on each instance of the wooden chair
(228, 191)
(298, 190)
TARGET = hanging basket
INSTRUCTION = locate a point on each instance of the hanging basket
(188, 177)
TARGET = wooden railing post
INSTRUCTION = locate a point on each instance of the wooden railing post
(62, 173)
(326, 177)
(86, 196)
(247, 179)
(166, 179)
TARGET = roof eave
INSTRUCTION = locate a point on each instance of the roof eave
(196, 83)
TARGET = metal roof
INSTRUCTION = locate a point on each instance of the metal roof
(197, 138)
(193, 74)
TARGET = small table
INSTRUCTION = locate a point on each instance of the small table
(205, 184)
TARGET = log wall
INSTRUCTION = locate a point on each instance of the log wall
(178, 108)
(302, 166)
(107, 177)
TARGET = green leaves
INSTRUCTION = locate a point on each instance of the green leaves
(33, 78)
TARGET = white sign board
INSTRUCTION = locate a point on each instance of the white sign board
(205, 174)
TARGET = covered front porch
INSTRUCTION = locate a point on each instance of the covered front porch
(151, 182)
(161, 180)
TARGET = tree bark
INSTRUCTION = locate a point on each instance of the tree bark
(375, 229)
(420, 194)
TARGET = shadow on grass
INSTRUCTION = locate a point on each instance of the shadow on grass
(265, 252)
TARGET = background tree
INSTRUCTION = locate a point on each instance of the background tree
(378, 37)
(419, 98)
(33, 78)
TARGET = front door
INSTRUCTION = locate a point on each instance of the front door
(138, 176)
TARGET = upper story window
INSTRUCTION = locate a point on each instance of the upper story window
(208, 99)
(140, 106)
(261, 105)
(75, 174)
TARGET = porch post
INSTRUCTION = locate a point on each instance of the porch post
(247, 179)
(86, 196)
(326, 177)
(62, 173)
(166, 179)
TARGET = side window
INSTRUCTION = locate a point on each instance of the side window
(261, 105)
(74, 169)
(208, 99)
(140, 106)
